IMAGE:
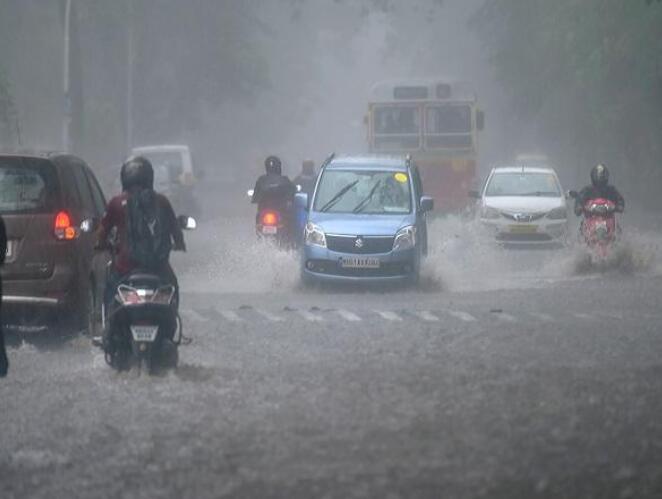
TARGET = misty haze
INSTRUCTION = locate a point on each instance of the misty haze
(331, 248)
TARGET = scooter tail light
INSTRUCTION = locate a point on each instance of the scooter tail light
(164, 295)
(270, 218)
(129, 295)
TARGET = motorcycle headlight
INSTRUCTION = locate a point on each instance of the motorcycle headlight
(558, 213)
(314, 235)
(405, 238)
(489, 213)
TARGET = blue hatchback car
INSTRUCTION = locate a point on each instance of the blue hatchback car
(366, 221)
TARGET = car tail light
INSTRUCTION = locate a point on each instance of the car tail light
(270, 218)
(64, 230)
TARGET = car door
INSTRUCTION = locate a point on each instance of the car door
(88, 220)
(421, 217)
(101, 258)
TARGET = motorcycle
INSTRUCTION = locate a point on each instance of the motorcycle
(275, 226)
(144, 322)
(599, 229)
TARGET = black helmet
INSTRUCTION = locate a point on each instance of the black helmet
(273, 165)
(599, 175)
(137, 171)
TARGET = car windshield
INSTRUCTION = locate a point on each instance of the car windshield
(168, 165)
(27, 185)
(523, 184)
(363, 191)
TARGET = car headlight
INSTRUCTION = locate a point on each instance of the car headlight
(314, 235)
(490, 213)
(558, 213)
(405, 238)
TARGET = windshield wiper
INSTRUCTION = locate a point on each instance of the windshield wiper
(359, 207)
(337, 196)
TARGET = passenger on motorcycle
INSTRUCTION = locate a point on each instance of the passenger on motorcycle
(137, 176)
(599, 188)
(307, 178)
(274, 191)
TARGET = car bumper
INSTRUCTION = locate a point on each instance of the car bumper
(322, 265)
(538, 233)
(58, 290)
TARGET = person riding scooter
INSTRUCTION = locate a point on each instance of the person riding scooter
(599, 188)
(307, 178)
(123, 215)
(275, 191)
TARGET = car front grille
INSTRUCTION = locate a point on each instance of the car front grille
(360, 245)
(524, 238)
(386, 269)
(523, 217)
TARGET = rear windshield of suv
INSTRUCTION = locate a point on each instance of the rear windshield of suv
(27, 185)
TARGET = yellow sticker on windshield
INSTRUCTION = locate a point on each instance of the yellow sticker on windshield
(401, 177)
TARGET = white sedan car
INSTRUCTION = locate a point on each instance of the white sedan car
(524, 205)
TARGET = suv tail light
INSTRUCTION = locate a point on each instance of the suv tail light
(64, 230)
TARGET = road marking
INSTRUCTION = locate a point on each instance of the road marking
(269, 316)
(427, 316)
(193, 314)
(463, 316)
(310, 317)
(542, 316)
(349, 316)
(231, 316)
(389, 316)
(586, 317)
(506, 317)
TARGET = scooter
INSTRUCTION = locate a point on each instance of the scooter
(599, 229)
(145, 329)
(275, 226)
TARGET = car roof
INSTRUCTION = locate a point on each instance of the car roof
(523, 169)
(32, 153)
(369, 162)
(161, 148)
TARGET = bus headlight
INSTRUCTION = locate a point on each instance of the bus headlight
(405, 239)
(314, 235)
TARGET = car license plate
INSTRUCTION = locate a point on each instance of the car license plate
(523, 229)
(144, 333)
(270, 230)
(359, 263)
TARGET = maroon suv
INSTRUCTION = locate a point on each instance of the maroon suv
(51, 205)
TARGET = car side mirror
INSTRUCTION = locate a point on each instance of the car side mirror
(298, 186)
(572, 194)
(480, 120)
(474, 194)
(426, 204)
(186, 222)
(89, 225)
(301, 201)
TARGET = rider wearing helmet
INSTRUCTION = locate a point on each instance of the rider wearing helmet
(137, 176)
(273, 190)
(599, 188)
(307, 178)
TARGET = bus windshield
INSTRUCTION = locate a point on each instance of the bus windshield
(397, 127)
(448, 126)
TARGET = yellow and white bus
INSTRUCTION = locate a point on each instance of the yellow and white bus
(437, 122)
